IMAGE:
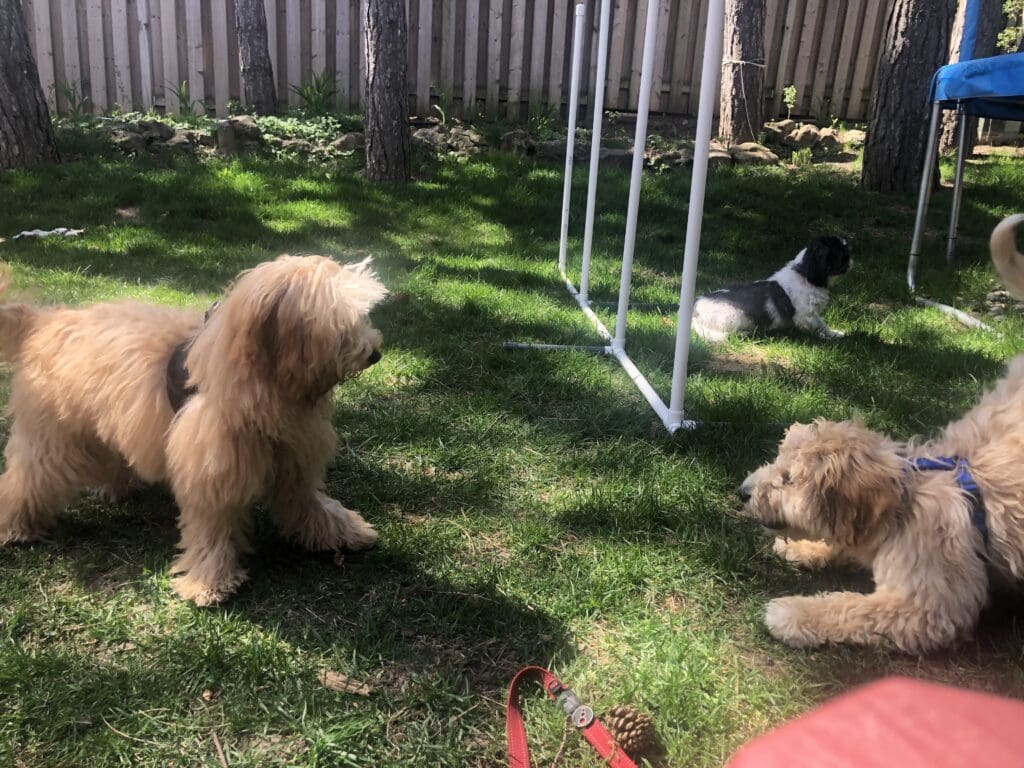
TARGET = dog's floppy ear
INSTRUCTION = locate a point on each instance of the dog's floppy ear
(858, 480)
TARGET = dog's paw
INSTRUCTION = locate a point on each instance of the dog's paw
(787, 621)
(832, 334)
(359, 534)
(803, 553)
(345, 529)
(204, 594)
(18, 535)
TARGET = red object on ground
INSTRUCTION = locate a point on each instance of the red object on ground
(582, 716)
(896, 722)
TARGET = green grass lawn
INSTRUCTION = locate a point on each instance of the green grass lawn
(529, 513)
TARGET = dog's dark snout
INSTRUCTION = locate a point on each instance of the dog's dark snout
(744, 494)
(374, 357)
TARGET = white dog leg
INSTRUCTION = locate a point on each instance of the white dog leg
(39, 480)
(860, 619)
(319, 523)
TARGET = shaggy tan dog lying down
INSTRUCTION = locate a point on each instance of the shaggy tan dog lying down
(96, 393)
(841, 492)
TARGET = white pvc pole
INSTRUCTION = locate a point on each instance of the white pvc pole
(710, 72)
(570, 139)
(595, 145)
(639, 142)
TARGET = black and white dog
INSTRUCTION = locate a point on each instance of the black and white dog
(794, 297)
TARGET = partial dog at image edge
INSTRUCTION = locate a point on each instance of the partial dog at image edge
(1008, 261)
(937, 523)
(228, 410)
(794, 297)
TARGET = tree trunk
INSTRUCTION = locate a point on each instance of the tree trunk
(26, 133)
(742, 98)
(988, 28)
(388, 149)
(916, 44)
(257, 69)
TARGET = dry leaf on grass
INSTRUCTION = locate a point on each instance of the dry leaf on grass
(336, 681)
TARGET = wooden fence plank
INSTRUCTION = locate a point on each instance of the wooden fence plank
(638, 52)
(145, 18)
(803, 76)
(360, 30)
(424, 47)
(343, 54)
(867, 60)
(697, 61)
(446, 79)
(494, 22)
(318, 37)
(821, 95)
(270, 10)
(293, 51)
(659, 99)
(849, 41)
(169, 37)
(616, 51)
(559, 53)
(70, 48)
(516, 53)
(538, 49)
(122, 57)
(195, 56)
(221, 75)
(790, 40)
(97, 65)
(469, 110)
(683, 44)
(43, 48)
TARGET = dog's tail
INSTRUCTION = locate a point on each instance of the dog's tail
(16, 320)
(1008, 261)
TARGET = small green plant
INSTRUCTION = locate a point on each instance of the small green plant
(1010, 39)
(78, 103)
(801, 158)
(186, 105)
(789, 99)
(542, 122)
(316, 93)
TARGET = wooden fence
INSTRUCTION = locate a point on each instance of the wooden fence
(496, 57)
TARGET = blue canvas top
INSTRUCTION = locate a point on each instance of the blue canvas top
(991, 87)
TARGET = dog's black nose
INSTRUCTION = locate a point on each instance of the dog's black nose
(374, 357)
(744, 494)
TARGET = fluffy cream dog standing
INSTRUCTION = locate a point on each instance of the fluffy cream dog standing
(841, 492)
(91, 409)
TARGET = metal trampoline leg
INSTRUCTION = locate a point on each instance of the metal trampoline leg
(922, 200)
(958, 184)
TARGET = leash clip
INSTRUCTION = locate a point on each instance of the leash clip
(580, 714)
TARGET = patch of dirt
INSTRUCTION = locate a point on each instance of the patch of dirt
(129, 215)
(752, 362)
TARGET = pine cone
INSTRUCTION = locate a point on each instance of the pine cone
(632, 730)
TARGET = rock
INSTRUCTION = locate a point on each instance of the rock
(854, 137)
(297, 146)
(431, 139)
(203, 138)
(752, 153)
(680, 157)
(246, 129)
(154, 130)
(786, 126)
(466, 141)
(773, 134)
(348, 142)
(181, 140)
(518, 142)
(718, 155)
(227, 139)
(128, 142)
(553, 149)
(802, 137)
(828, 142)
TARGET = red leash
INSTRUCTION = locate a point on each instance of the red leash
(581, 715)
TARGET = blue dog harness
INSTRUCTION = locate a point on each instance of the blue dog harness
(965, 481)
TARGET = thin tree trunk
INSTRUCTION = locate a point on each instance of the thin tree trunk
(26, 133)
(988, 28)
(388, 148)
(916, 44)
(742, 97)
(257, 69)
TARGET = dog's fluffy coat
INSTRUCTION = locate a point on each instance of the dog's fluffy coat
(1008, 261)
(794, 297)
(90, 410)
(841, 492)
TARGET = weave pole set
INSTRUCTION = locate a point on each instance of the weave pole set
(672, 414)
